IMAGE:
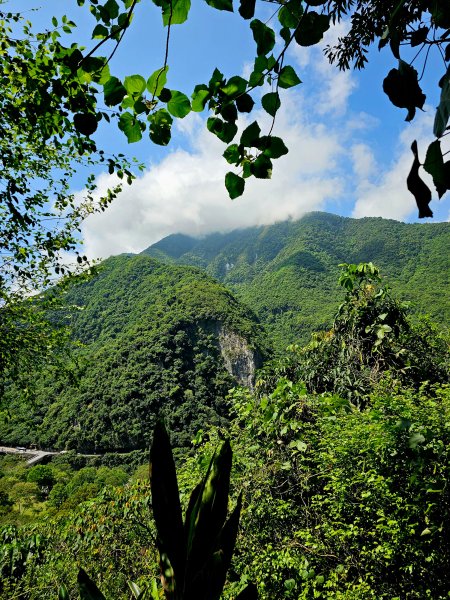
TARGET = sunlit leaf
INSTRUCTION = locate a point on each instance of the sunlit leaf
(157, 81)
(178, 105)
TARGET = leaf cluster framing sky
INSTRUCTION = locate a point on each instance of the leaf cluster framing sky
(349, 148)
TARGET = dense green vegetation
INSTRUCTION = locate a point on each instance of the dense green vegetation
(287, 272)
(151, 346)
(344, 478)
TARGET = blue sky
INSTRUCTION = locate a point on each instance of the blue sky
(349, 147)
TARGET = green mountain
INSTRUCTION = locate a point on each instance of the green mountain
(158, 339)
(287, 272)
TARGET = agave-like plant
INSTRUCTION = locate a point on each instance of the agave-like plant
(194, 555)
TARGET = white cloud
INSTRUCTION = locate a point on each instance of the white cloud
(185, 192)
(386, 195)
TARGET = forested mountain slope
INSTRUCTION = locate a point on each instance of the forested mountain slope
(157, 339)
(287, 272)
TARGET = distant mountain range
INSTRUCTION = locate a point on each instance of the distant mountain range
(169, 331)
(287, 272)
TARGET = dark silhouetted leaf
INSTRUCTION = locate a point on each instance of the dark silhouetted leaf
(160, 127)
(272, 146)
(417, 187)
(244, 103)
(261, 168)
(221, 4)
(403, 89)
(434, 165)
(271, 103)
(114, 91)
(85, 123)
(224, 131)
(264, 36)
(311, 29)
(247, 8)
(443, 109)
(250, 135)
(235, 185)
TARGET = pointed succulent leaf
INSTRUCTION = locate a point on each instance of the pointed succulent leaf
(88, 589)
(248, 593)
(63, 593)
(224, 551)
(209, 513)
(166, 502)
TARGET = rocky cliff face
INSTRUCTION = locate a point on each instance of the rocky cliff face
(239, 359)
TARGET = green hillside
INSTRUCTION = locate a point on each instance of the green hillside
(287, 272)
(156, 340)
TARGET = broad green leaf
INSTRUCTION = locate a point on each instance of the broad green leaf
(178, 105)
(112, 8)
(85, 123)
(288, 77)
(88, 589)
(160, 127)
(403, 89)
(221, 4)
(134, 84)
(289, 14)
(129, 124)
(235, 185)
(434, 165)
(271, 103)
(229, 112)
(311, 29)
(200, 96)
(247, 8)
(100, 32)
(250, 135)
(224, 131)
(417, 187)
(114, 91)
(232, 154)
(234, 86)
(443, 109)
(174, 12)
(261, 168)
(244, 103)
(157, 81)
(272, 147)
(264, 37)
